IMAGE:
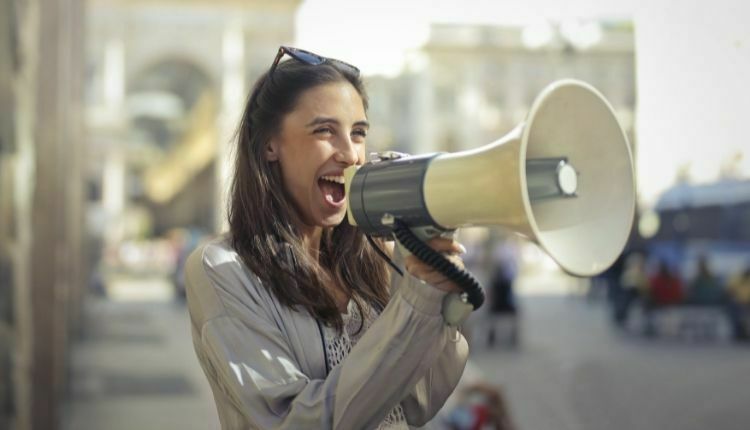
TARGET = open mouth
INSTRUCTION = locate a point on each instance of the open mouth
(332, 188)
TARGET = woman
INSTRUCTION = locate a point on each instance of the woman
(294, 319)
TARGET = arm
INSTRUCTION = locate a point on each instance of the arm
(429, 394)
(249, 360)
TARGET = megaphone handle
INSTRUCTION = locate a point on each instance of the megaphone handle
(461, 277)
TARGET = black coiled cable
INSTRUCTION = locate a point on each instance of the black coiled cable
(461, 277)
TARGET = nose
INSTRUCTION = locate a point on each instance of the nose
(346, 152)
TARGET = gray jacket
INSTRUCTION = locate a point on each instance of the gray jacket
(266, 364)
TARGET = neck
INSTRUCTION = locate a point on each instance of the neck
(311, 240)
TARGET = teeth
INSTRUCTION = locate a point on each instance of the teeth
(336, 179)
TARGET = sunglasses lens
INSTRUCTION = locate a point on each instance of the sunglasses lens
(312, 59)
(307, 57)
(345, 66)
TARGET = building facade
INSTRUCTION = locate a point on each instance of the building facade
(110, 108)
(470, 85)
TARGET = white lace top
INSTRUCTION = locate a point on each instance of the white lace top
(338, 347)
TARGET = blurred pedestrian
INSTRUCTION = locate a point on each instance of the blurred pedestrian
(705, 288)
(502, 318)
(633, 285)
(476, 405)
(739, 303)
(664, 289)
(481, 406)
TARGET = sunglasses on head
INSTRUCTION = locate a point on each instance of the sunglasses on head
(308, 57)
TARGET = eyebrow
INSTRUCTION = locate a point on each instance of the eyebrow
(325, 120)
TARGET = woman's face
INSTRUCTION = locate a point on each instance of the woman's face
(323, 135)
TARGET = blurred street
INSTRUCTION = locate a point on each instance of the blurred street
(575, 371)
(135, 368)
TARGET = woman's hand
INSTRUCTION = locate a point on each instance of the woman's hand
(420, 270)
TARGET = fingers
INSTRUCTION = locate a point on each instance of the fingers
(413, 262)
(425, 273)
(450, 246)
(428, 274)
(421, 270)
(456, 260)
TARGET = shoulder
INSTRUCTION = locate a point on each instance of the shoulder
(218, 283)
(217, 261)
(216, 253)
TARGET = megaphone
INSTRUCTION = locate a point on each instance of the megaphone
(563, 178)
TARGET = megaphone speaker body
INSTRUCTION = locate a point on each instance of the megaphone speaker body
(569, 124)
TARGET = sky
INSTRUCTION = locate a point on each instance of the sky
(692, 57)
(378, 35)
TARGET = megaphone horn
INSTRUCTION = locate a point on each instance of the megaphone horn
(563, 178)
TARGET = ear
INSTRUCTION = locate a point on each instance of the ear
(272, 150)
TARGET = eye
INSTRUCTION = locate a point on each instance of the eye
(359, 132)
(323, 130)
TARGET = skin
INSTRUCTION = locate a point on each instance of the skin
(323, 135)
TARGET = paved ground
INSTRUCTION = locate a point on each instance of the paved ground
(135, 369)
(574, 372)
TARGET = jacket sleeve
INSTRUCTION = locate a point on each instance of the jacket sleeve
(246, 354)
(430, 393)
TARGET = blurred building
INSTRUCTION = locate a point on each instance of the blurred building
(115, 121)
(472, 84)
(42, 264)
(166, 85)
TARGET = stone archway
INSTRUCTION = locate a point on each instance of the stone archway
(172, 108)
(161, 95)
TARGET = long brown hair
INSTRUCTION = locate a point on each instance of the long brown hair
(263, 222)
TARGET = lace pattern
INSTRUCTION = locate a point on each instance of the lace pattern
(338, 346)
